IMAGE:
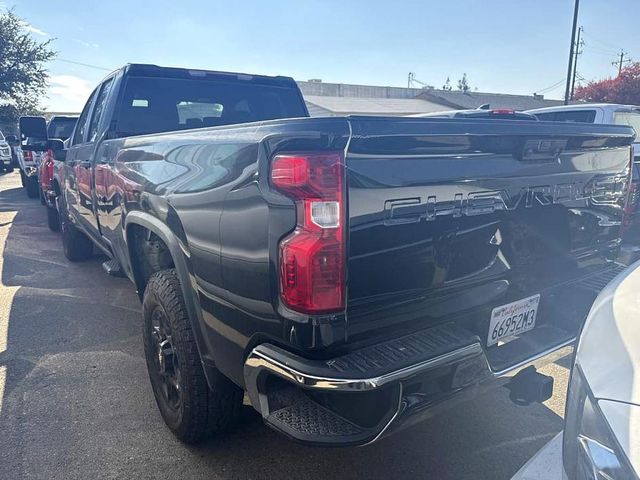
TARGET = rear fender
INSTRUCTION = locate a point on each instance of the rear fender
(182, 263)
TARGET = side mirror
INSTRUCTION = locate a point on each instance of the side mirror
(11, 140)
(35, 130)
(57, 146)
(35, 127)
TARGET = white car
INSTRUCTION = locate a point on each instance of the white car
(5, 155)
(601, 439)
(611, 113)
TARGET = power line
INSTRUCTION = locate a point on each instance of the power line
(411, 79)
(601, 42)
(551, 87)
(84, 64)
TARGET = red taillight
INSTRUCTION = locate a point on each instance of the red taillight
(503, 111)
(312, 258)
(28, 155)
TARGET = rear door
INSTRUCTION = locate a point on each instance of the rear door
(78, 149)
(83, 160)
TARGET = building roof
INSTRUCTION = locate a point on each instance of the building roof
(326, 105)
(461, 100)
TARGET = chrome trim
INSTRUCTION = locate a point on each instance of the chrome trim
(547, 356)
(391, 420)
(258, 360)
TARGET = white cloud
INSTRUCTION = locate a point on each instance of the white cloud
(31, 29)
(85, 44)
(68, 92)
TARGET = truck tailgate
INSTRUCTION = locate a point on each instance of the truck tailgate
(449, 219)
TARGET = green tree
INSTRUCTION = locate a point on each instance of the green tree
(23, 72)
(463, 84)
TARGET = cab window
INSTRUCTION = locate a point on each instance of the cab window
(628, 117)
(81, 127)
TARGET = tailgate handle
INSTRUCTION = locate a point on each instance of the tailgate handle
(543, 149)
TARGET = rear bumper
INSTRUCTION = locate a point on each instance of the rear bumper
(359, 397)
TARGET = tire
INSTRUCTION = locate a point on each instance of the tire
(41, 194)
(23, 179)
(76, 245)
(53, 219)
(8, 169)
(33, 189)
(191, 410)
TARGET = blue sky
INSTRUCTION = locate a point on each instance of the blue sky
(506, 46)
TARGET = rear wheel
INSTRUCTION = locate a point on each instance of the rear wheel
(53, 219)
(76, 245)
(23, 179)
(188, 406)
(8, 169)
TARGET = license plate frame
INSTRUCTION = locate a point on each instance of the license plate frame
(513, 319)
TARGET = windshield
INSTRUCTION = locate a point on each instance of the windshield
(61, 128)
(631, 118)
(153, 105)
(1, 137)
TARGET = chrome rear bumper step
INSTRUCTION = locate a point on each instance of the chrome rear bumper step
(319, 401)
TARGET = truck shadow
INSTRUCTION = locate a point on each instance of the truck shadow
(75, 400)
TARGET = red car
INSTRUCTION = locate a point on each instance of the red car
(62, 128)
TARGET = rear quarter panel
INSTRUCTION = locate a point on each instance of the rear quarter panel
(210, 188)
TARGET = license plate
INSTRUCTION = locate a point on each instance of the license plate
(512, 319)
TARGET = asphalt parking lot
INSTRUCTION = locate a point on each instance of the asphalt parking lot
(75, 400)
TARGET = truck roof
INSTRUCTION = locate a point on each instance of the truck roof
(584, 106)
(150, 70)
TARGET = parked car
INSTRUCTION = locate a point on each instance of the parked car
(600, 439)
(5, 155)
(14, 144)
(353, 274)
(29, 160)
(481, 113)
(60, 127)
(604, 113)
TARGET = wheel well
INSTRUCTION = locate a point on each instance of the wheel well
(56, 188)
(148, 253)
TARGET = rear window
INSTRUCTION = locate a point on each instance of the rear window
(61, 128)
(581, 116)
(628, 118)
(151, 105)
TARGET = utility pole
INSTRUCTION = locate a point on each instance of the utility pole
(579, 43)
(410, 79)
(621, 61)
(567, 89)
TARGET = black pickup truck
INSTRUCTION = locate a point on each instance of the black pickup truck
(353, 275)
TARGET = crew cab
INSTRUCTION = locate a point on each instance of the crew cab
(352, 274)
(609, 113)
